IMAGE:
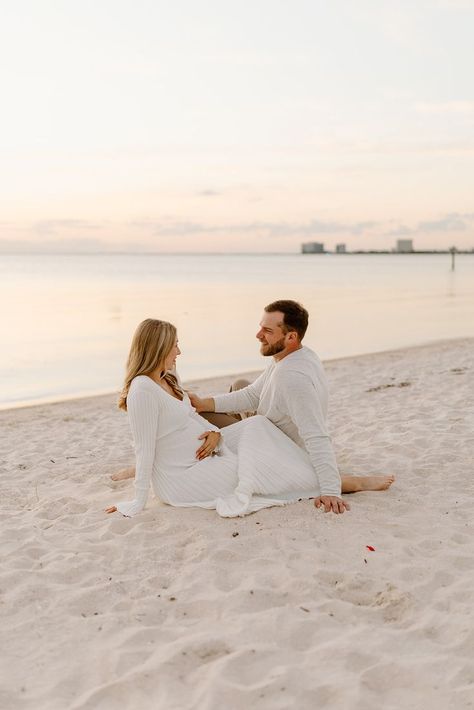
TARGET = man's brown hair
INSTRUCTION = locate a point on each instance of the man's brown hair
(295, 317)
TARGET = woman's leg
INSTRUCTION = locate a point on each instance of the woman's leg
(354, 484)
(123, 474)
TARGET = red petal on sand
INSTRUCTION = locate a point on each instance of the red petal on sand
(369, 547)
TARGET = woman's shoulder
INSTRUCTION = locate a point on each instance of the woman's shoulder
(143, 396)
(142, 383)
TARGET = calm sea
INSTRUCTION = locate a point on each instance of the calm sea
(67, 321)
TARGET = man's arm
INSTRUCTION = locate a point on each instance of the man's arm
(201, 404)
(244, 400)
(301, 401)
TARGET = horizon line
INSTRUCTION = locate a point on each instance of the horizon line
(391, 252)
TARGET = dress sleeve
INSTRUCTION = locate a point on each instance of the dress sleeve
(244, 400)
(143, 412)
(302, 402)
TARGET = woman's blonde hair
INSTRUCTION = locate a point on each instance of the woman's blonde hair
(152, 343)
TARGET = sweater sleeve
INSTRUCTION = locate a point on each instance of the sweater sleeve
(300, 399)
(244, 400)
(142, 407)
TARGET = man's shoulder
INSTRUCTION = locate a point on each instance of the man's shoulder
(300, 369)
(290, 376)
(304, 361)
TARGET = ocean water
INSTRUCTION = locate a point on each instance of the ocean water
(67, 320)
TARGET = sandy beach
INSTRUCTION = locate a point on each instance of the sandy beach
(179, 609)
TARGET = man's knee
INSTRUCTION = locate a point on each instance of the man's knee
(218, 419)
(239, 385)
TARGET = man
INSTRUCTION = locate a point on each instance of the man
(292, 392)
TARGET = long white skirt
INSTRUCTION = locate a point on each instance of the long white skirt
(259, 467)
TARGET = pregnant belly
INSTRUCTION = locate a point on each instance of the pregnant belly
(177, 450)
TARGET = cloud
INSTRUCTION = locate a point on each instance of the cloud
(66, 236)
(456, 4)
(452, 222)
(209, 193)
(401, 231)
(51, 227)
(54, 246)
(316, 227)
(270, 229)
(397, 146)
(444, 107)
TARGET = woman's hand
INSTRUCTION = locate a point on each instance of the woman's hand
(332, 504)
(211, 441)
(112, 509)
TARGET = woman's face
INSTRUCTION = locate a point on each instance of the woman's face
(170, 361)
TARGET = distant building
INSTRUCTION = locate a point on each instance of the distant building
(404, 246)
(340, 248)
(312, 248)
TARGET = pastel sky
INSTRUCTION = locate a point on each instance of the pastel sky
(236, 126)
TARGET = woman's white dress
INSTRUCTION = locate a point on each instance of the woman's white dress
(258, 466)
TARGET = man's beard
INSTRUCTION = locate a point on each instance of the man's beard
(274, 349)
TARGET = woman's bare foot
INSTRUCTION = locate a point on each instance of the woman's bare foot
(354, 484)
(123, 474)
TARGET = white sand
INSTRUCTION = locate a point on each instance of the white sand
(169, 610)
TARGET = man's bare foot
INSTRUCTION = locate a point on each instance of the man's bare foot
(123, 474)
(354, 484)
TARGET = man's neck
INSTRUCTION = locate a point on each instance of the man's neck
(284, 353)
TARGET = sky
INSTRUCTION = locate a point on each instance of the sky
(250, 126)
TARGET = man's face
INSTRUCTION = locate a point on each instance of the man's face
(271, 336)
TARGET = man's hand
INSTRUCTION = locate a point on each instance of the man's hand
(201, 405)
(332, 504)
(211, 440)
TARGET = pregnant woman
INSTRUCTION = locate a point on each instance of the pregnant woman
(248, 466)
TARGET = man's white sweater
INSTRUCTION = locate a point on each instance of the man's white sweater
(293, 394)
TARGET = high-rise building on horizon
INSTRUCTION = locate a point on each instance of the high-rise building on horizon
(312, 248)
(404, 246)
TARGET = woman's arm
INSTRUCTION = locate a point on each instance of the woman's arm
(143, 412)
(211, 436)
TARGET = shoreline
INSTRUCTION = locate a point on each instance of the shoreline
(225, 379)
